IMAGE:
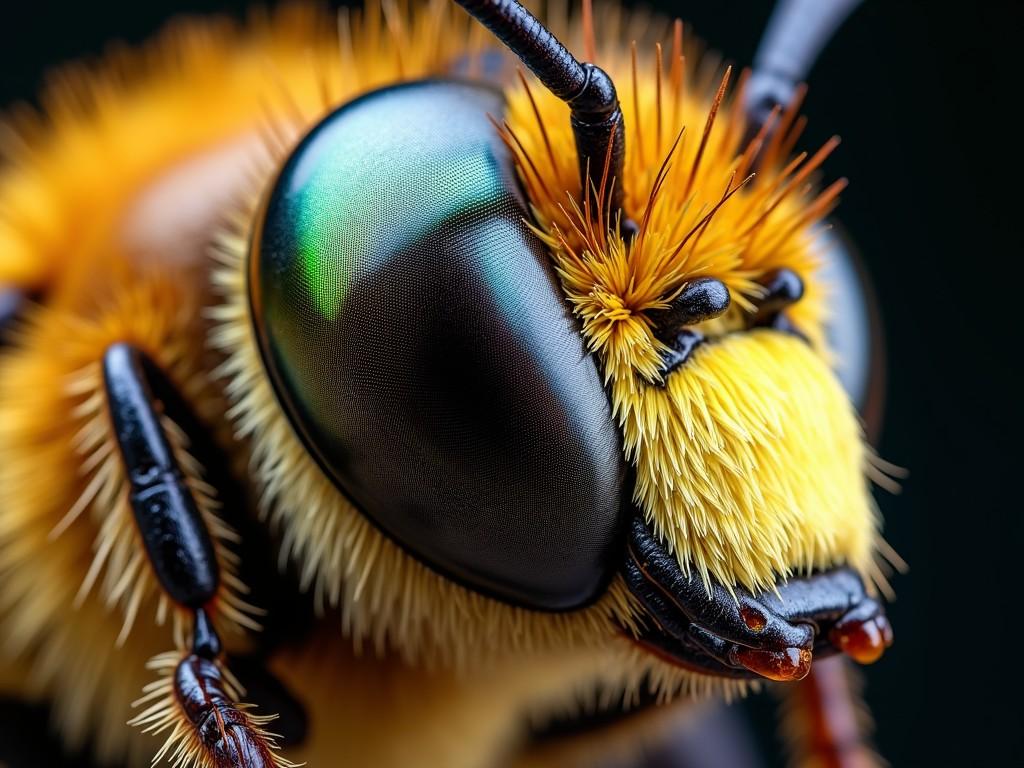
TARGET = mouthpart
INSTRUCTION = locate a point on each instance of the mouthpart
(737, 634)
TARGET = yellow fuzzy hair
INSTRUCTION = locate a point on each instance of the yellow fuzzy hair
(53, 417)
(77, 596)
(67, 183)
(750, 459)
(747, 402)
(68, 179)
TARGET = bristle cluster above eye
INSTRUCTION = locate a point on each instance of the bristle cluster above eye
(710, 200)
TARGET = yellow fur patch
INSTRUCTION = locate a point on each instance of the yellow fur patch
(67, 177)
(754, 467)
(750, 462)
(74, 580)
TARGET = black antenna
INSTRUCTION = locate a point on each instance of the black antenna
(586, 88)
(796, 34)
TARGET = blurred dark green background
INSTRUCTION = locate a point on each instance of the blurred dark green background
(927, 99)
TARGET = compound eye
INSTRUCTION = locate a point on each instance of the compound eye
(418, 341)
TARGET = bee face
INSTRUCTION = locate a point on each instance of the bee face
(417, 338)
(494, 426)
(451, 355)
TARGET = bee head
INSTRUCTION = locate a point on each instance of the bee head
(481, 369)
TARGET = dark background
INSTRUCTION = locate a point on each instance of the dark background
(926, 97)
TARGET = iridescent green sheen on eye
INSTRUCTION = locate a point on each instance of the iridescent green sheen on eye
(417, 338)
(334, 201)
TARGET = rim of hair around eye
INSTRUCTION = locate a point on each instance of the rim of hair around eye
(295, 489)
(388, 600)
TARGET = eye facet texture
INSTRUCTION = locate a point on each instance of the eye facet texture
(418, 340)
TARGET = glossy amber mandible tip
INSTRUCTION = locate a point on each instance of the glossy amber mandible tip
(782, 666)
(863, 641)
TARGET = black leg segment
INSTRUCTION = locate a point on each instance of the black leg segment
(181, 552)
(171, 527)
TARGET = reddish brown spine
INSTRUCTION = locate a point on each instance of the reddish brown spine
(227, 734)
